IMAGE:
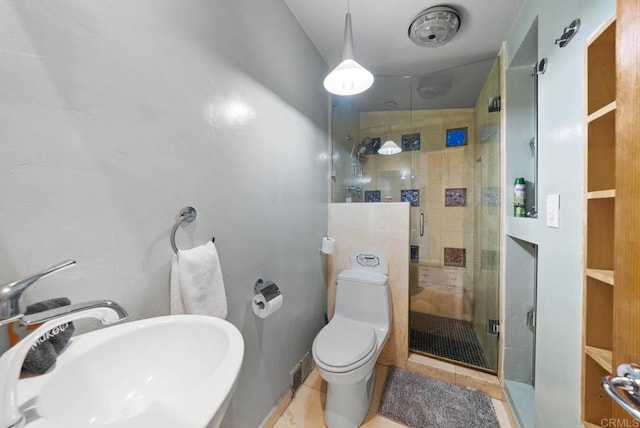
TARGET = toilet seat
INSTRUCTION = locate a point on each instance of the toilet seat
(343, 345)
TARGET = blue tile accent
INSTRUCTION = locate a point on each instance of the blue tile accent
(455, 197)
(455, 257)
(456, 137)
(373, 146)
(411, 142)
(372, 196)
(415, 253)
(410, 195)
(495, 104)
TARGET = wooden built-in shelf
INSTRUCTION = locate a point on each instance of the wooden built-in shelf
(602, 194)
(599, 227)
(601, 153)
(597, 405)
(598, 322)
(601, 275)
(604, 111)
(599, 239)
(601, 69)
(604, 357)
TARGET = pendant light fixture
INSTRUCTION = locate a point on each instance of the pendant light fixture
(349, 77)
(389, 148)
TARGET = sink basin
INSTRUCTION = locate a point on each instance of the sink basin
(171, 371)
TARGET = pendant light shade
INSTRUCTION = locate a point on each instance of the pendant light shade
(349, 77)
(389, 148)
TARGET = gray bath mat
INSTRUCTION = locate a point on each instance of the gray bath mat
(422, 402)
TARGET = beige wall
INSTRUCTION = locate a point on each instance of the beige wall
(431, 170)
(383, 225)
(440, 291)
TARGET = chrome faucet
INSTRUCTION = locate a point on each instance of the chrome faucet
(10, 294)
(106, 312)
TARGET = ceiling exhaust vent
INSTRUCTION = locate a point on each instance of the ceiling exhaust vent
(434, 26)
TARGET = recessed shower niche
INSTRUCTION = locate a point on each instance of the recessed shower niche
(521, 249)
(520, 298)
(521, 78)
(448, 173)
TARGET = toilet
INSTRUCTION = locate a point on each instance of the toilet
(345, 351)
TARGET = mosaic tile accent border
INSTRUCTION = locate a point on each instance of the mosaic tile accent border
(410, 195)
(455, 197)
(415, 253)
(411, 142)
(456, 257)
(372, 196)
(372, 147)
(495, 104)
(456, 137)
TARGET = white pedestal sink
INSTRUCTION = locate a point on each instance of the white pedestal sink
(173, 371)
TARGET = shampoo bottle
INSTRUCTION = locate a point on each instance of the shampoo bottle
(519, 191)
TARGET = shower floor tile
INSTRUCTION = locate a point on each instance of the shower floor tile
(446, 338)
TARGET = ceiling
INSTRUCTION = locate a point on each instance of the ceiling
(382, 46)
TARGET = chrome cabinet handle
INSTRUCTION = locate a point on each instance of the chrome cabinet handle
(421, 224)
(627, 381)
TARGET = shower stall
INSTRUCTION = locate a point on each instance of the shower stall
(449, 173)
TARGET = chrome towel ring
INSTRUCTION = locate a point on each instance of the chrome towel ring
(187, 215)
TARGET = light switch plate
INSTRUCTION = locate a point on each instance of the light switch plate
(553, 211)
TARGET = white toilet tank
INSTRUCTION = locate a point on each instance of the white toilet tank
(362, 292)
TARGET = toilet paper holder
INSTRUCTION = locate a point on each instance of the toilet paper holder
(268, 289)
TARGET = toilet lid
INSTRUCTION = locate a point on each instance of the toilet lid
(343, 342)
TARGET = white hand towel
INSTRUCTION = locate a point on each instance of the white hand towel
(197, 286)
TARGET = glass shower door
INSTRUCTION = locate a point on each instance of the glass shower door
(454, 233)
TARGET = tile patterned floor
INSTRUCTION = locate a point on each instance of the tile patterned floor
(306, 408)
(447, 338)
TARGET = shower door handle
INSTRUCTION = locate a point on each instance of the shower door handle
(625, 388)
(421, 224)
(531, 319)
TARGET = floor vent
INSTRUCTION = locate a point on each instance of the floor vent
(299, 373)
(295, 378)
(307, 365)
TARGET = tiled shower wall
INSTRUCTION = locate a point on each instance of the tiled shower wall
(434, 168)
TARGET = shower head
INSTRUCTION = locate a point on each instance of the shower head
(358, 149)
